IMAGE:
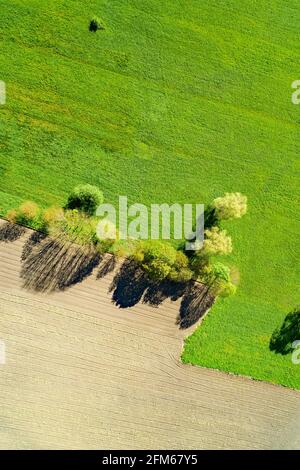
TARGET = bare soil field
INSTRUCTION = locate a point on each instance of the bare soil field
(81, 372)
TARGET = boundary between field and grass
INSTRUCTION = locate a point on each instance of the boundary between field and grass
(188, 331)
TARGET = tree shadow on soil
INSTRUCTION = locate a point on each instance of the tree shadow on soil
(283, 337)
(50, 265)
(10, 232)
(195, 303)
(107, 265)
(158, 292)
(35, 239)
(131, 285)
(128, 285)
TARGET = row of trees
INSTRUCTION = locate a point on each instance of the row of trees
(75, 223)
(205, 263)
(160, 260)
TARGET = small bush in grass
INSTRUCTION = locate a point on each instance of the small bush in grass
(96, 24)
(86, 198)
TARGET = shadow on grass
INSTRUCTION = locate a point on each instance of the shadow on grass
(195, 303)
(283, 337)
(10, 232)
(50, 265)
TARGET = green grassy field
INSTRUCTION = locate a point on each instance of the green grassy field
(173, 102)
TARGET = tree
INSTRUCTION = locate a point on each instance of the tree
(216, 242)
(210, 217)
(198, 263)
(217, 277)
(86, 198)
(28, 211)
(156, 258)
(230, 206)
(283, 339)
(180, 271)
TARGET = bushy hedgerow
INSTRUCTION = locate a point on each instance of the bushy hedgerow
(107, 236)
(27, 214)
(75, 227)
(159, 259)
(52, 215)
(216, 242)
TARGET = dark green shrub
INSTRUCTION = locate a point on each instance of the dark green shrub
(95, 24)
(86, 198)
